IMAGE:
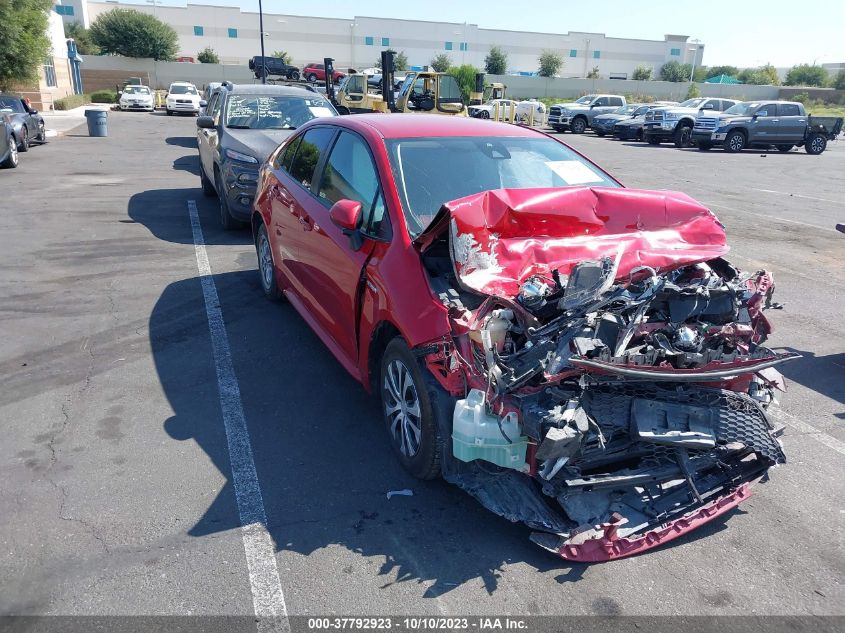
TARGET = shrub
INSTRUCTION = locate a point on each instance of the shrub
(208, 56)
(104, 96)
(642, 73)
(693, 92)
(549, 63)
(71, 102)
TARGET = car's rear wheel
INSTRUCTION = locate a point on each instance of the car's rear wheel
(784, 148)
(312, 78)
(266, 267)
(226, 220)
(23, 144)
(578, 125)
(12, 159)
(735, 142)
(294, 76)
(408, 412)
(816, 144)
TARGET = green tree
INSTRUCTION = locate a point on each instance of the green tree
(496, 62)
(700, 73)
(550, 63)
(400, 60)
(807, 75)
(82, 37)
(693, 92)
(134, 34)
(465, 74)
(594, 73)
(762, 76)
(642, 73)
(23, 39)
(839, 80)
(440, 63)
(208, 56)
(675, 71)
(715, 71)
(283, 55)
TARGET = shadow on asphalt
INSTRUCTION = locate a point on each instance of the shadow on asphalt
(165, 213)
(823, 374)
(188, 163)
(189, 142)
(321, 452)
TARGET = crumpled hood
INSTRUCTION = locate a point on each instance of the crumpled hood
(499, 238)
(258, 143)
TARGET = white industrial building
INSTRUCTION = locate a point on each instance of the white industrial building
(356, 42)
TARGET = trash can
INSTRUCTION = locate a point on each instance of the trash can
(97, 122)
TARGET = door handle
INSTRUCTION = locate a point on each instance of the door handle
(306, 222)
(775, 120)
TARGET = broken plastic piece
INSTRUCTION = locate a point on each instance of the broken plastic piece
(400, 493)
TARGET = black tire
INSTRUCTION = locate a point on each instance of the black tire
(784, 148)
(651, 140)
(578, 125)
(559, 129)
(23, 142)
(169, 112)
(311, 78)
(12, 159)
(207, 186)
(705, 146)
(816, 144)
(640, 136)
(682, 136)
(484, 114)
(226, 220)
(600, 134)
(734, 142)
(401, 374)
(41, 137)
(266, 265)
(294, 75)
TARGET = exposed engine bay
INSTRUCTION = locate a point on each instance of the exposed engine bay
(612, 375)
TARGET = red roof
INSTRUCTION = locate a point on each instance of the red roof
(408, 125)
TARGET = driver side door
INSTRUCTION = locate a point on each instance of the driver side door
(207, 137)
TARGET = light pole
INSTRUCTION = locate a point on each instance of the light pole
(261, 30)
(695, 54)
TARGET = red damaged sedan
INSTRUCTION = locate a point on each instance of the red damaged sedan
(576, 355)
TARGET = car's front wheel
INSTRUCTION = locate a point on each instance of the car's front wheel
(294, 76)
(735, 142)
(266, 267)
(226, 220)
(42, 133)
(207, 185)
(408, 412)
(12, 159)
(578, 125)
(312, 78)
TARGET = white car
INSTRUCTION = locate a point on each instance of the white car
(503, 109)
(182, 96)
(136, 98)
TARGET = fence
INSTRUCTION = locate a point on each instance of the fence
(103, 72)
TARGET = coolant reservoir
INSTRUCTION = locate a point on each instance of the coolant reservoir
(476, 434)
(496, 326)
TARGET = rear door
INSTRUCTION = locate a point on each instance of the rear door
(332, 269)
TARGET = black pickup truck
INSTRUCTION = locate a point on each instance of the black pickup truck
(763, 124)
(273, 66)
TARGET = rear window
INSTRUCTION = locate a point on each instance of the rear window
(311, 149)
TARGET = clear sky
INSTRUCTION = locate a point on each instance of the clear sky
(741, 33)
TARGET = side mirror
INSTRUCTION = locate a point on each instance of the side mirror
(203, 103)
(205, 122)
(33, 111)
(754, 117)
(346, 214)
(707, 106)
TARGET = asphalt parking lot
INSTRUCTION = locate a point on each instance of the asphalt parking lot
(115, 478)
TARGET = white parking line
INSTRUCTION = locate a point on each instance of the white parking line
(768, 217)
(267, 597)
(798, 195)
(808, 429)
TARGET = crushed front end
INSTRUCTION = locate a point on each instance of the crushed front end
(609, 364)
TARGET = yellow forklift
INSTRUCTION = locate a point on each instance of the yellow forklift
(484, 94)
(426, 92)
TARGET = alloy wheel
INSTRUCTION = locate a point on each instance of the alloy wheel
(13, 151)
(265, 261)
(402, 408)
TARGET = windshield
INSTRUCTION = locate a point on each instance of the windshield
(11, 104)
(136, 90)
(274, 112)
(431, 171)
(585, 99)
(743, 108)
(692, 103)
(183, 90)
(626, 109)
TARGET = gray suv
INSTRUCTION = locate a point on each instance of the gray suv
(578, 115)
(243, 124)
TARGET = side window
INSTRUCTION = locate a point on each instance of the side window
(601, 101)
(769, 109)
(615, 101)
(355, 84)
(789, 109)
(311, 148)
(350, 174)
(285, 159)
(214, 106)
(640, 111)
(711, 103)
